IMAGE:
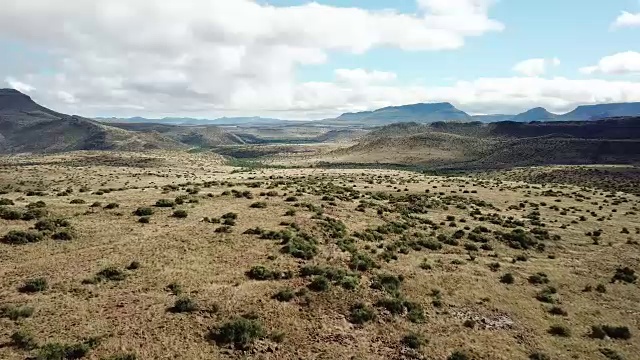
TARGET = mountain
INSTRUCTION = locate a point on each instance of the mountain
(601, 111)
(535, 114)
(420, 113)
(198, 136)
(26, 126)
(224, 121)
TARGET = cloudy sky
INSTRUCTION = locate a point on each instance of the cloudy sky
(297, 59)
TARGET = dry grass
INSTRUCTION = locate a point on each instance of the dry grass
(465, 305)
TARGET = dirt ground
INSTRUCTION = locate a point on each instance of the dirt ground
(446, 242)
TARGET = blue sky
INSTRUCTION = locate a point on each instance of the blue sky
(296, 59)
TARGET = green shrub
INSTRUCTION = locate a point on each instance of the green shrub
(64, 235)
(625, 274)
(507, 278)
(165, 203)
(539, 278)
(362, 262)
(16, 312)
(23, 340)
(57, 351)
(539, 356)
(459, 355)
(184, 304)
(144, 220)
(413, 341)
(556, 310)
(559, 330)
(260, 272)
(361, 313)
(10, 214)
(546, 295)
(175, 288)
(284, 295)
(320, 283)
(19, 237)
(111, 273)
(96, 204)
(112, 206)
(301, 247)
(51, 224)
(240, 332)
(35, 213)
(143, 211)
(259, 205)
(77, 201)
(387, 282)
(34, 285)
(613, 332)
(181, 214)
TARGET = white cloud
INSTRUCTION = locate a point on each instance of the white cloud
(535, 67)
(19, 85)
(179, 56)
(626, 19)
(362, 76)
(621, 63)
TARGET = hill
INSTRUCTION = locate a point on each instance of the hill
(421, 113)
(601, 111)
(198, 136)
(26, 126)
(224, 121)
(498, 145)
(535, 114)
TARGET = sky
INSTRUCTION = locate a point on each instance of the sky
(296, 59)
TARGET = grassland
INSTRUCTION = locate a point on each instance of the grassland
(174, 255)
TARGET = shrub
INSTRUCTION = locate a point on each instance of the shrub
(539, 278)
(34, 285)
(556, 310)
(611, 354)
(111, 273)
(183, 305)
(301, 247)
(4, 202)
(16, 312)
(35, 213)
(260, 272)
(613, 332)
(36, 205)
(19, 237)
(350, 282)
(63, 235)
(56, 351)
(362, 262)
(174, 288)
(9, 214)
(96, 204)
(23, 340)
(290, 212)
(134, 265)
(539, 356)
(240, 332)
(320, 283)
(144, 220)
(180, 214)
(230, 215)
(388, 283)
(143, 211)
(625, 274)
(361, 313)
(507, 278)
(111, 206)
(559, 330)
(459, 355)
(546, 295)
(284, 295)
(258, 205)
(601, 288)
(51, 224)
(413, 341)
(77, 201)
(165, 203)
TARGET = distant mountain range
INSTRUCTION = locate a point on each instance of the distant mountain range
(423, 113)
(224, 121)
(430, 113)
